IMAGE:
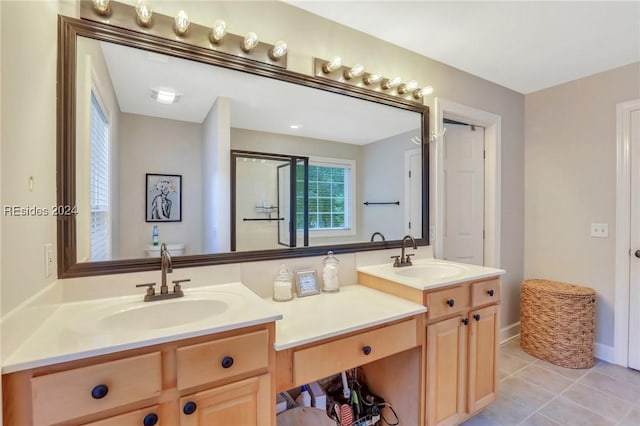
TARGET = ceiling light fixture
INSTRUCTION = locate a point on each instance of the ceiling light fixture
(165, 96)
(182, 23)
(249, 42)
(332, 65)
(278, 50)
(407, 87)
(144, 12)
(218, 31)
(371, 78)
(390, 83)
(101, 7)
(295, 126)
(354, 72)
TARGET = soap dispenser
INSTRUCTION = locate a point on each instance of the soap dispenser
(330, 273)
(282, 285)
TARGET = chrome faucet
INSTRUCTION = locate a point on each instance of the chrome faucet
(403, 260)
(165, 268)
(378, 234)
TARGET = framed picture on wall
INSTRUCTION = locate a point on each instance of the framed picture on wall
(164, 198)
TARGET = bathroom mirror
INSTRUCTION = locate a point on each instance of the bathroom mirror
(260, 163)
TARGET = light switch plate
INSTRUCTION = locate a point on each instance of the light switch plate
(600, 230)
(48, 259)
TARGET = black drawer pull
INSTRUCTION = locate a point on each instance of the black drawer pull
(99, 391)
(451, 302)
(189, 408)
(465, 321)
(366, 350)
(150, 419)
(476, 317)
(490, 292)
(227, 362)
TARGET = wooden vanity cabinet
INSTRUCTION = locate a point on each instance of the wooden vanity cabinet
(219, 379)
(462, 343)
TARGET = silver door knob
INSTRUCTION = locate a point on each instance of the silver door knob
(638, 254)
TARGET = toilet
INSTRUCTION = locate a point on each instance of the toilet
(175, 249)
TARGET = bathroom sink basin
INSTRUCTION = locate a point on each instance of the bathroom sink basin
(429, 272)
(163, 314)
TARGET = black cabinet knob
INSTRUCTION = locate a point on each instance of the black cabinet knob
(99, 391)
(637, 253)
(490, 292)
(476, 317)
(227, 362)
(451, 302)
(189, 408)
(465, 321)
(150, 419)
(366, 350)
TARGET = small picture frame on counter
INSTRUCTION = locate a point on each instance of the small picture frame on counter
(307, 282)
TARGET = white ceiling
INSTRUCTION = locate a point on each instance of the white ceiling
(257, 103)
(523, 45)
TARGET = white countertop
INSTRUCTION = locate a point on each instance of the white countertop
(437, 273)
(355, 307)
(74, 331)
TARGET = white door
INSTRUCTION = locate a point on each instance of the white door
(413, 193)
(634, 272)
(464, 194)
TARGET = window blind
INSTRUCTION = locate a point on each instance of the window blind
(100, 232)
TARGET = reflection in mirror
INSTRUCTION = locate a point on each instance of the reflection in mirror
(142, 113)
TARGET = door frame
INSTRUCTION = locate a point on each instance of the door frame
(492, 172)
(623, 232)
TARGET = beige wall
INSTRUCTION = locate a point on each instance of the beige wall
(29, 149)
(570, 182)
(159, 146)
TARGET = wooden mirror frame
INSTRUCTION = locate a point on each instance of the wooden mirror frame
(68, 31)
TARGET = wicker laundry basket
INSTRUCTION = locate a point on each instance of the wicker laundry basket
(557, 322)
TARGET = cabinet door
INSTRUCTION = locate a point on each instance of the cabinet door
(247, 403)
(446, 360)
(483, 354)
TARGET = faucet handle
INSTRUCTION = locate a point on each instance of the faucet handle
(396, 262)
(150, 290)
(407, 259)
(177, 284)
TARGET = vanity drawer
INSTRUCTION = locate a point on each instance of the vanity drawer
(447, 301)
(484, 292)
(133, 418)
(328, 358)
(74, 393)
(222, 359)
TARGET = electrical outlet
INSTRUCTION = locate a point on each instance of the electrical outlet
(48, 260)
(600, 230)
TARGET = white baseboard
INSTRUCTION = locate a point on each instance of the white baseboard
(509, 332)
(603, 352)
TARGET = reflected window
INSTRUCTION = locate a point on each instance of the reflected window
(100, 229)
(330, 196)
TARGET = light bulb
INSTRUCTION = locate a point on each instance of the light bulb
(332, 65)
(101, 6)
(144, 12)
(390, 83)
(355, 71)
(182, 22)
(278, 51)
(218, 31)
(250, 41)
(408, 87)
(419, 93)
(372, 78)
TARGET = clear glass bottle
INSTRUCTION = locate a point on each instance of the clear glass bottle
(283, 285)
(330, 269)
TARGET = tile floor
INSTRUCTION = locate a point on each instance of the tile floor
(536, 393)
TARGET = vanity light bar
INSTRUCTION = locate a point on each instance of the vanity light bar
(356, 75)
(180, 28)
